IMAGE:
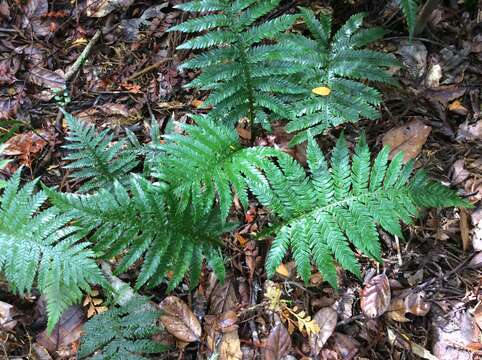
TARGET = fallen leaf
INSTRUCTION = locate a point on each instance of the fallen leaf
(346, 346)
(197, 103)
(464, 229)
(375, 296)
(66, 333)
(326, 319)
(223, 297)
(408, 138)
(415, 304)
(179, 320)
(278, 343)
(47, 78)
(470, 132)
(26, 145)
(282, 270)
(322, 91)
(478, 315)
(458, 108)
(397, 310)
(432, 80)
(414, 347)
(445, 94)
(8, 107)
(230, 347)
(6, 316)
(414, 57)
(101, 8)
(476, 261)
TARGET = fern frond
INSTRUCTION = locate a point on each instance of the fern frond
(216, 162)
(235, 54)
(144, 220)
(340, 64)
(409, 9)
(326, 213)
(123, 332)
(40, 249)
(93, 157)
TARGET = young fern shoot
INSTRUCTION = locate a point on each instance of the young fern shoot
(247, 77)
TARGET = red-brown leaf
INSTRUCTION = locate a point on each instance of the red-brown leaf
(278, 343)
(179, 320)
(47, 78)
(375, 298)
(326, 319)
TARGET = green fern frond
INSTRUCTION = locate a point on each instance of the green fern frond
(208, 164)
(40, 249)
(325, 213)
(145, 221)
(409, 9)
(123, 332)
(231, 61)
(3, 163)
(339, 64)
(93, 157)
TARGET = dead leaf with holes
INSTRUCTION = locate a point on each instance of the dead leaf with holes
(278, 343)
(179, 320)
(408, 138)
(376, 296)
(47, 78)
(326, 319)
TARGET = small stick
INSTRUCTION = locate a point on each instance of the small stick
(399, 254)
(147, 69)
(82, 57)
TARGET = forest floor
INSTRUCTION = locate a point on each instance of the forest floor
(130, 77)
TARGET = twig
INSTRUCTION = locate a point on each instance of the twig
(147, 69)
(399, 253)
(82, 57)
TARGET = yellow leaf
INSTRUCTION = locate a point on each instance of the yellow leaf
(322, 90)
(283, 270)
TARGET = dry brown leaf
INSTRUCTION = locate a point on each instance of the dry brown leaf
(346, 346)
(476, 261)
(230, 347)
(458, 108)
(375, 297)
(26, 145)
(415, 304)
(470, 132)
(408, 138)
(223, 298)
(6, 316)
(464, 229)
(283, 270)
(66, 333)
(326, 319)
(47, 78)
(397, 310)
(445, 94)
(278, 343)
(101, 8)
(179, 320)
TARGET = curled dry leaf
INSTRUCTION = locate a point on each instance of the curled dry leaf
(326, 319)
(278, 343)
(179, 320)
(416, 305)
(397, 310)
(375, 297)
(26, 145)
(6, 316)
(408, 138)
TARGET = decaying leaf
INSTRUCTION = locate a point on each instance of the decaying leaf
(66, 333)
(278, 343)
(326, 319)
(93, 303)
(410, 345)
(179, 320)
(408, 138)
(26, 145)
(101, 8)
(375, 297)
(470, 132)
(47, 78)
(397, 310)
(6, 316)
(230, 347)
(346, 346)
(223, 297)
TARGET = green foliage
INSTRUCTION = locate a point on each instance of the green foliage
(144, 221)
(216, 163)
(3, 163)
(122, 333)
(247, 76)
(40, 248)
(340, 63)
(94, 158)
(330, 209)
(409, 9)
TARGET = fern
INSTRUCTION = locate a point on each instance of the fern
(341, 66)
(122, 333)
(409, 9)
(247, 77)
(93, 158)
(40, 249)
(143, 220)
(208, 163)
(337, 206)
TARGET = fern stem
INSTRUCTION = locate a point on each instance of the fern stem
(249, 88)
